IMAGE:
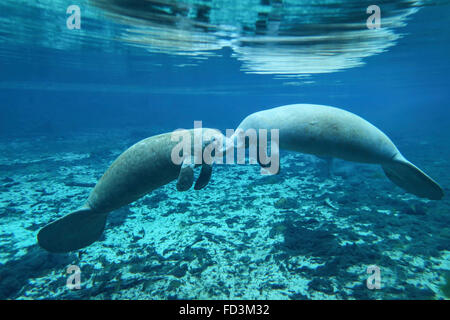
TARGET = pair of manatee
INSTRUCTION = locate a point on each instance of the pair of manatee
(314, 129)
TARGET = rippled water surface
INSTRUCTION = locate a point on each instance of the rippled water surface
(71, 100)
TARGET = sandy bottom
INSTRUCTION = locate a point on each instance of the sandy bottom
(298, 235)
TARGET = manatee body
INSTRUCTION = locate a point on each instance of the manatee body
(143, 167)
(331, 132)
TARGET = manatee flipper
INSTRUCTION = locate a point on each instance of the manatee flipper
(186, 176)
(410, 178)
(73, 231)
(204, 177)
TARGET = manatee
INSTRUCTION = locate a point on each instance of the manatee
(143, 167)
(330, 132)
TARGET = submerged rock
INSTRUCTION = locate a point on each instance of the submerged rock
(15, 274)
(180, 270)
(286, 203)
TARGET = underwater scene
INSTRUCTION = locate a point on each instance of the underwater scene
(224, 149)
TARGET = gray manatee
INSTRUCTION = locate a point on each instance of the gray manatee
(331, 132)
(143, 167)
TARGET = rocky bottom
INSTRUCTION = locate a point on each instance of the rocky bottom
(301, 234)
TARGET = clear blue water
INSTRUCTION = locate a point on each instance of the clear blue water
(73, 100)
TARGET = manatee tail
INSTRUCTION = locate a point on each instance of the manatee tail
(73, 231)
(410, 178)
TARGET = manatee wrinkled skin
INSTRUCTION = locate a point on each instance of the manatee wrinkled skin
(331, 132)
(143, 167)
